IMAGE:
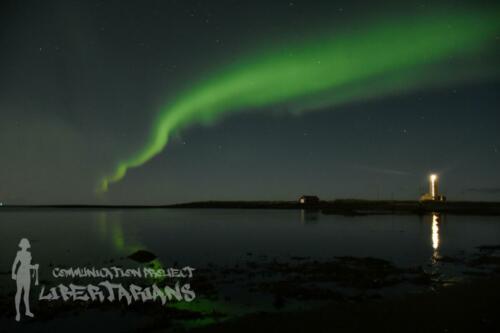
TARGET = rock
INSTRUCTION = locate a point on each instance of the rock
(142, 256)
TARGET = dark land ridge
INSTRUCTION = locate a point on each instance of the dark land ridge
(348, 207)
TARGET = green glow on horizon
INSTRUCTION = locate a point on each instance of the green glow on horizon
(383, 58)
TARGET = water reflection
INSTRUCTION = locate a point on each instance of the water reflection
(435, 232)
(435, 237)
(111, 230)
(309, 216)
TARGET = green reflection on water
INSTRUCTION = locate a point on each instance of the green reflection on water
(112, 231)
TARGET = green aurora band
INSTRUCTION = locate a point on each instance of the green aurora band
(383, 58)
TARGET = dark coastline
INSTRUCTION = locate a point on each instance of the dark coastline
(348, 207)
(467, 307)
(360, 207)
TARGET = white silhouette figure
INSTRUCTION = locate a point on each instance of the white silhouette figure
(22, 277)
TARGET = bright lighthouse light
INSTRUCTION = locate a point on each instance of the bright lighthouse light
(433, 185)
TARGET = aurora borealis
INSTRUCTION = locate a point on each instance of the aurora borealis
(157, 102)
(383, 57)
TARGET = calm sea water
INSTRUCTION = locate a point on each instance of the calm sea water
(207, 238)
(198, 237)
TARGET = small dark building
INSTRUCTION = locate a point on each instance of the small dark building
(308, 200)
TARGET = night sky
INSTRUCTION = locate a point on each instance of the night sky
(89, 87)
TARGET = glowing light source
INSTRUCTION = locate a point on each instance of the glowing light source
(433, 186)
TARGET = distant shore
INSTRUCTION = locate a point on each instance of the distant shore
(360, 207)
(348, 207)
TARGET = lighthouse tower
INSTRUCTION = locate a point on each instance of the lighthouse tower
(433, 186)
(433, 194)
